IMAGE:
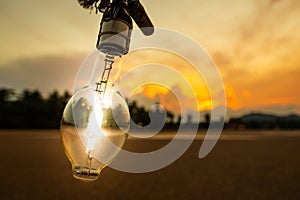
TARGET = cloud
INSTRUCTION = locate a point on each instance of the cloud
(254, 87)
(263, 59)
(27, 28)
(276, 87)
(172, 99)
(44, 73)
(261, 38)
(222, 59)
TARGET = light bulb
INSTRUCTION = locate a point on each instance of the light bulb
(95, 113)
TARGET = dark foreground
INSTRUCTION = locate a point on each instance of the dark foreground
(33, 166)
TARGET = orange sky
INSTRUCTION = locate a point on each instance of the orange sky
(254, 43)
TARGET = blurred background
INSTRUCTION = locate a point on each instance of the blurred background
(255, 45)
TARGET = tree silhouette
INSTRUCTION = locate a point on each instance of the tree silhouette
(30, 110)
(207, 118)
(5, 95)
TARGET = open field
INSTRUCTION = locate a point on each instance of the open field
(243, 165)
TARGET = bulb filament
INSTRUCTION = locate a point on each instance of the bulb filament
(101, 88)
(102, 84)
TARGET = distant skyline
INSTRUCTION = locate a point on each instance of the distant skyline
(254, 43)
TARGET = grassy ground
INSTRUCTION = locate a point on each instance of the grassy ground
(33, 166)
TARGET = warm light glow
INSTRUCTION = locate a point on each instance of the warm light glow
(255, 45)
(232, 101)
(205, 105)
(92, 135)
(85, 128)
(105, 102)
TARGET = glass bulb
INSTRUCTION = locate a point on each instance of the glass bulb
(95, 113)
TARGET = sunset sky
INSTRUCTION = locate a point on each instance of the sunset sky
(254, 43)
